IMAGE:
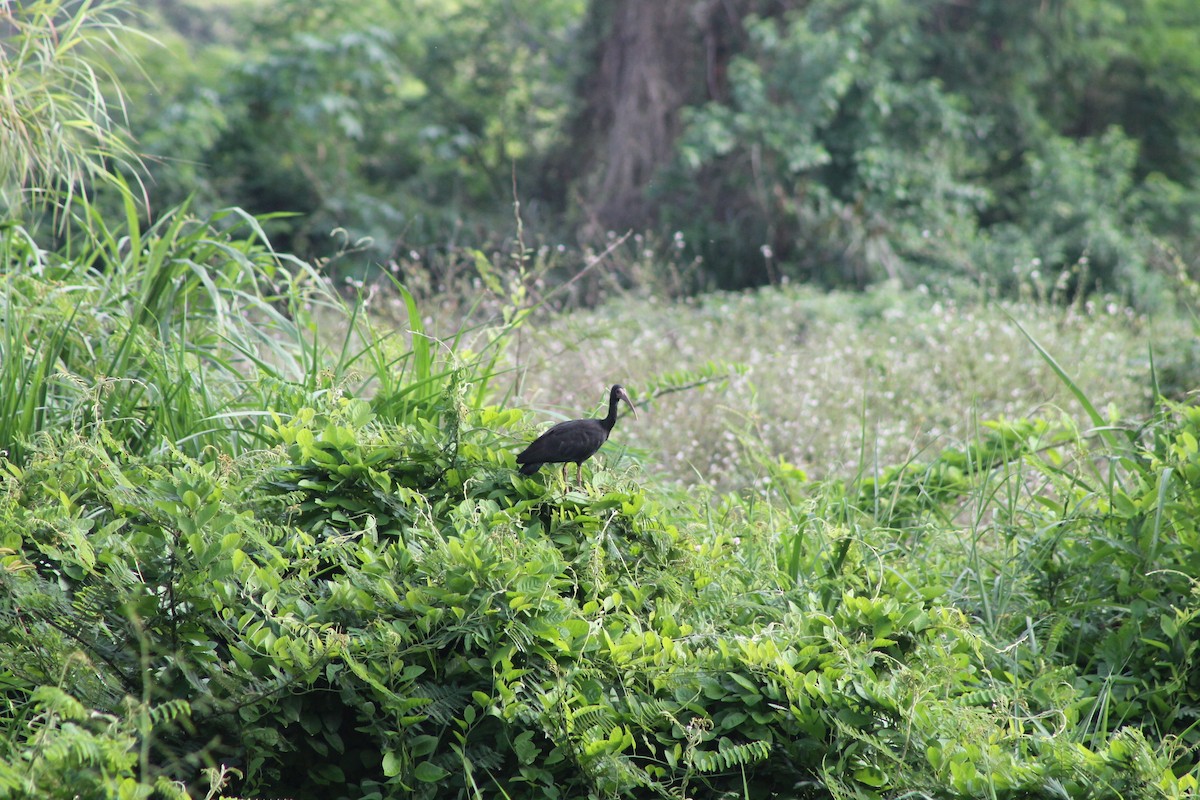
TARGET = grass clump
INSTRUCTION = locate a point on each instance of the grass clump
(59, 128)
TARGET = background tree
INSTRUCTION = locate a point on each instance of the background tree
(647, 62)
(836, 141)
(862, 139)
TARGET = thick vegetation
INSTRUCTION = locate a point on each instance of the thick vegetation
(352, 593)
(833, 141)
(254, 543)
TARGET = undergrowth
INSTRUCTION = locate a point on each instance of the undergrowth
(835, 383)
(324, 578)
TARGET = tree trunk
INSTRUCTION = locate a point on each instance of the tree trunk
(650, 59)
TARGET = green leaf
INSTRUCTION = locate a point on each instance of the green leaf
(428, 772)
(524, 747)
(423, 745)
(871, 776)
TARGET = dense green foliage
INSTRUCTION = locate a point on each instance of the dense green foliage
(398, 123)
(841, 141)
(926, 140)
(370, 601)
(251, 542)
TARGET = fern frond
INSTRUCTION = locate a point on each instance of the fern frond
(445, 702)
(649, 712)
(728, 756)
(980, 697)
(58, 702)
(590, 719)
(169, 711)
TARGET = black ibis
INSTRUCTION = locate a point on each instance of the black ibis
(574, 440)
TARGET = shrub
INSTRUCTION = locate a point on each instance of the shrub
(366, 609)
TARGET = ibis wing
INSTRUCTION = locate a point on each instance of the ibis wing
(575, 440)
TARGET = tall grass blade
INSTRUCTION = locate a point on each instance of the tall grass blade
(422, 362)
(1164, 487)
(1153, 372)
(1098, 421)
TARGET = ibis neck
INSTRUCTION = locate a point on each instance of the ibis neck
(611, 419)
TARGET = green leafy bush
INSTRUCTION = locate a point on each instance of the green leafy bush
(1081, 552)
(363, 610)
(863, 140)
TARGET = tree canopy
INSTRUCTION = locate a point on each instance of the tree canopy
(836, 141)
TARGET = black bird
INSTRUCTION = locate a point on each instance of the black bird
(574, 440)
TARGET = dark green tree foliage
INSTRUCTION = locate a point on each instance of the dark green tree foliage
(865, 139)
(841, 141)
(835, 150)
(398, 122)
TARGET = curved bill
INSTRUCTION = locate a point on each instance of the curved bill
(624, 395)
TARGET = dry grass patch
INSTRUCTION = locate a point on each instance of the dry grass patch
(834, 383)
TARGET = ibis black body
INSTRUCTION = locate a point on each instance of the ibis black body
(573, 441)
